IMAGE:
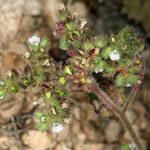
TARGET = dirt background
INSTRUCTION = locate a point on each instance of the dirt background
(20, 19)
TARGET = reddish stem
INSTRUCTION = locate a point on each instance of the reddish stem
(135, 88)
(122, 116)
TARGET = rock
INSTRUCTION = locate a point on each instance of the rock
(16, 16)
(33, 8)
(112, 131)
(80, 8)
(17, 48)
(64, 146)
(131, 116)
(111, 147)
(36, 140)
(95, 146)
(11, 107)
(51, 10)
(8, 143)
(11, 12)
(11, 60)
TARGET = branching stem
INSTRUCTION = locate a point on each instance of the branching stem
(134, 89)
(121, 115)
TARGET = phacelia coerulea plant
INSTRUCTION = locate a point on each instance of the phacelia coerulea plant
(103, 67)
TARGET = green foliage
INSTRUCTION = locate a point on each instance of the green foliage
(125, 147)
(115, 58)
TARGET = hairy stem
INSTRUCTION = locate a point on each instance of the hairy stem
(131, 98)
(134, 89)
(128, 126)
(109, 104)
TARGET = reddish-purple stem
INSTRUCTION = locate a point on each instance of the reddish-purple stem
(135, 88)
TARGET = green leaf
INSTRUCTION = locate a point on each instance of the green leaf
(100, 42)
(71, 25)
(38, 115)
(93, 96)
(87, 45)
(42, 126)
(124, 147)
(67, 70)
(99, 64)
(120, 80)
(62, 80)
(63, 44)
(105, 52)
(44, 43)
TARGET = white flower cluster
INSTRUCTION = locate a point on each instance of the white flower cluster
(34, 40)
(114, 55)
(57, 127)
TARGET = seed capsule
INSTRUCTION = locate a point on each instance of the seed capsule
(14, 89)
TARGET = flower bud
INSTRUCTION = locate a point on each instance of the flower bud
(62, 80)
(67, 70)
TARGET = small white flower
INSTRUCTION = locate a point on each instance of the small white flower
(57, 127)
(34, 40)
(27, 55)
(46, 63)
(114, 55)
(129, 85)
(1, 83)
